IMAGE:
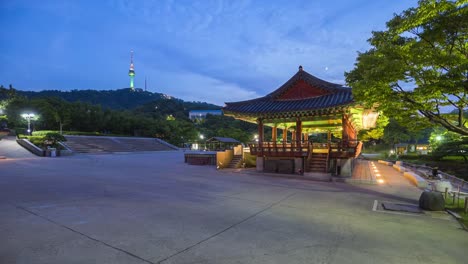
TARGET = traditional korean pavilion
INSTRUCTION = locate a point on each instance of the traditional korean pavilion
(302, 106)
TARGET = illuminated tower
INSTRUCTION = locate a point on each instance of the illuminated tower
(131, 71)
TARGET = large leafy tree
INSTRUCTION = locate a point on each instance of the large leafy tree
(418, 66)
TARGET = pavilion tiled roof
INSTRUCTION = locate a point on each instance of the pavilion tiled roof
(333, 96)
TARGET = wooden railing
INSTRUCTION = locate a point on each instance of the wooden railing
(273, 149)
(345, 149)
(342, 149)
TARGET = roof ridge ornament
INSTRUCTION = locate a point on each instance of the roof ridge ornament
(300, 67)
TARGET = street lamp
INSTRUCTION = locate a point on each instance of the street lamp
(438, 138)
(28, 117)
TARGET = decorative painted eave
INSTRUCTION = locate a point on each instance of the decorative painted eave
(302, 93)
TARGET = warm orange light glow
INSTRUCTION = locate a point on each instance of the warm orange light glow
(380, 181)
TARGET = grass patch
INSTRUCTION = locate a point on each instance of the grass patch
(454, 158)
(457, 207)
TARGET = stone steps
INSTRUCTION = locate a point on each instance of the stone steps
(103, 145)
(235, 162)
(318, 162)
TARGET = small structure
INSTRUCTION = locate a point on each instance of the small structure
(401, 148)
(304, 105)
(417, 148)
(221, 143)
(199, 115)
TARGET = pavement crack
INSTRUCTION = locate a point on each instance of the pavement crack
(226, 229)
(84, 235)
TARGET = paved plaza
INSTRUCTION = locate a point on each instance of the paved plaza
(153, 208)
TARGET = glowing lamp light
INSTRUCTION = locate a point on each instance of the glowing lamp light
(369, 119)
(380, 181)
(438, 138)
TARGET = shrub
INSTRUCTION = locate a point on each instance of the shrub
(410, 157)
(77, 133)
(51, 139)
(43, 132)
(452, 148)
(36, 140)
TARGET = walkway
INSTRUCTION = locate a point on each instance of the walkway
(153, 208)
(12, 150)
(362, 173)
(372, 172)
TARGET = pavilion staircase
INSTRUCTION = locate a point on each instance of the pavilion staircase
(318, 162)
(235, 162)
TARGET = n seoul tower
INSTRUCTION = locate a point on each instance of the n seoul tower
(131, 71)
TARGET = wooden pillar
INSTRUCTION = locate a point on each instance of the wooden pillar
(260, 130)
(298, 129)
(274, 133)
(348, 133)
(293, 136)
(306, 136)
(285, 135)
(344, 131)
(352, 132)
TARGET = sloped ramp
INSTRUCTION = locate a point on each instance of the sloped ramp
(10, 149)
(103, 145)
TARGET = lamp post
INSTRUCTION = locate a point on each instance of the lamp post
(201, 140)
(28, 117)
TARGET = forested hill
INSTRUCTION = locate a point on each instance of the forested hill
(116, 99)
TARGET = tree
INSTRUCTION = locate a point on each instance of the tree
(418, 66)
(395, 133)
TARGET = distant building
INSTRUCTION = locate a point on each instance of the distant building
(201, 114)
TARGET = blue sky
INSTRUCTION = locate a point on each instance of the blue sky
(213, 51)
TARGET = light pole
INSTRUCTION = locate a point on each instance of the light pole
(201, 140)
(28, 117)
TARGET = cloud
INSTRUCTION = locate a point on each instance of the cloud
(195, 87)
(210, 50)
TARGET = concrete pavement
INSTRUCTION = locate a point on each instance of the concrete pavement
(153, 208)
(10, 149)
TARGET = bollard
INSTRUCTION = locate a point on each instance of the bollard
(466, 204)
(454, 195)
(446, 191)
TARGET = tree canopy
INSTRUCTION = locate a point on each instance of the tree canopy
(165, 118)
(418, 67)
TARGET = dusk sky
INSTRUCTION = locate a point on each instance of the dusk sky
(212, 51)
